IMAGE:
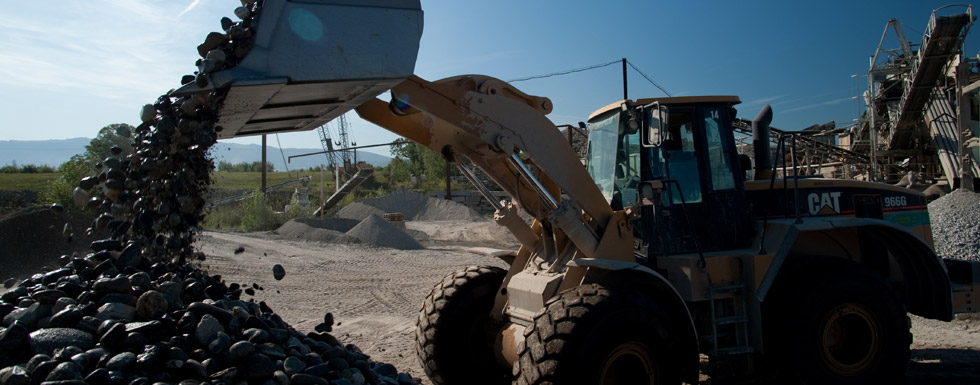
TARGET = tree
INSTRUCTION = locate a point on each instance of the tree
(60, 190)
(101, 146)
(427, 166)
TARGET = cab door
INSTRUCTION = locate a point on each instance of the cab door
(703, 200)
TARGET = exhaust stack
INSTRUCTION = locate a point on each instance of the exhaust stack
(760, 143)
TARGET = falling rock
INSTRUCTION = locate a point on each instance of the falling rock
(80, 196)
(148, 113)
(123, 131)
(242, 13)
(212, 41)
(278, 272)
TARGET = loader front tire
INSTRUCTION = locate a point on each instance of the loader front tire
(454, 338)
(596, 335)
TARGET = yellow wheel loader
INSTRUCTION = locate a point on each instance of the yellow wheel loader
(665, 245)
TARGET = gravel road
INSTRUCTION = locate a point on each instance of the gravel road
(374, 294)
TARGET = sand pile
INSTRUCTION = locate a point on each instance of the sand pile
(372, 230)
(32, 238)
(414, 206)
(955, 222)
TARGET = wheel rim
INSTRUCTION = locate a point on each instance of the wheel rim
(850, 339)
(630, 363)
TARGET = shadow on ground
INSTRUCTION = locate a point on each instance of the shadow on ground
(943, 366)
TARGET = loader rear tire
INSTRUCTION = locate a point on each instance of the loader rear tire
(454, 338)
(596, 335)
(843, 327)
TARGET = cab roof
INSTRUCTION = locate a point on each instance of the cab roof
(727, 99)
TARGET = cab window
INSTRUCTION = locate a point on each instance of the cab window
(719, 156)
(682, 164)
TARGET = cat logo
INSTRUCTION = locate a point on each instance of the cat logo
(824, 203)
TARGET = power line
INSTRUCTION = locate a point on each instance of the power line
(648, 78)
(591, 67)
(283, 156)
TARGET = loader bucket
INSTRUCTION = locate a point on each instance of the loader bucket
(313, 60)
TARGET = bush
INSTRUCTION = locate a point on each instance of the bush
(60, 190)
(257, 215)
(257, 212)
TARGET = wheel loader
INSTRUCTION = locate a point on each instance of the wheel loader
(665, 245)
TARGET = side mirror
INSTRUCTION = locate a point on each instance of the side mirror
(655, 116)
(633, 121)
(648, 193)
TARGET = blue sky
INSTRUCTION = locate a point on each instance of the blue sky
(70, 68)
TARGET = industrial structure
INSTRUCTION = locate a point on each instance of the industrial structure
(920, 123)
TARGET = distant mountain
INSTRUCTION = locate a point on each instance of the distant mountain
(54, 152)
(238, 153)
(51, 152)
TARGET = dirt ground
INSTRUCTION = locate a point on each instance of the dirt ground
(374, 294)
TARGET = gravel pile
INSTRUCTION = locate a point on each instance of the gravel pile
(134, 311)
(414, 206)
(315, 230)
(377, 231)
(955, 222)
(373, 230)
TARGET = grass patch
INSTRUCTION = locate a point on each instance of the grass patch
(257, 212)
(32, 182)
(253, 180)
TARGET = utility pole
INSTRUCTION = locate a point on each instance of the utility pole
(449, 189)
(264, 167)
(626, 94)
(322, 199)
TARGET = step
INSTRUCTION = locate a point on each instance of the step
(734, 350)
(734, 288)
(731, 320)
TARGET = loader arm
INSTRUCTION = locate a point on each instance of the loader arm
(504, 132)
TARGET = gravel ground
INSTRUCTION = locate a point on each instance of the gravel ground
(374, 294)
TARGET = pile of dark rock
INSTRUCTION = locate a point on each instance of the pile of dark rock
(125, 320)
(135, 310)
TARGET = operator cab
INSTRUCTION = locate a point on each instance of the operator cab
(687, 145)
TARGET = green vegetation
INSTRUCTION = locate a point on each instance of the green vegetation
(60, 190)
(31, 182)
(245, 167)
(113, 135)
(13, 168)
(250, 180)
(414, 167)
